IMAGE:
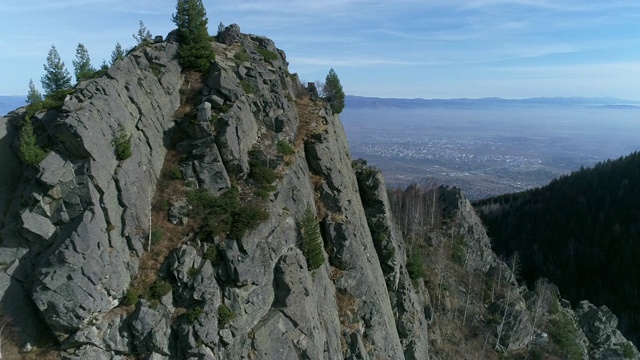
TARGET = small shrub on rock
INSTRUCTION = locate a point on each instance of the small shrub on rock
(261, 174)
(159, 289)
(193, 314)
(627, 351)
(284, 148)
(246, 218)
(246, 86)
(211, 254)
(225, 315)
(122, 144)
(241, 56)
(192, 272)
(175, 173)
(130, 298)
(56, 100)
(268, 55)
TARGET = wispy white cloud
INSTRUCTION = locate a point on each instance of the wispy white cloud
(406, 45)
(139, 6)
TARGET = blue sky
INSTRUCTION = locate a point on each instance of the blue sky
(400, 48)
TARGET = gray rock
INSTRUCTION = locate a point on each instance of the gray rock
(10, 165)
(73, 284)
(349, 239)
(223, 80)
(600, 327)
(204, 166)
(151, 328)
(514, 330)
(204, 112)
(88, 352)
(355, 349)
(111, 334)
(230, 34)
(37, 227)
(193, 275)
(83, 212)
(178, 212)
(237, 133)
(54, 169)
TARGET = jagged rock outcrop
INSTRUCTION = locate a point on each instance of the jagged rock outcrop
(76, 237)
(605, 340)
(75, 223)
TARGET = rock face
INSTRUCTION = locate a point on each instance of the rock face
(75, 228)
(599, 326)
(74, 225)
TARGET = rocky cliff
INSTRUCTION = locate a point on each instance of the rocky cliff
(196, 246)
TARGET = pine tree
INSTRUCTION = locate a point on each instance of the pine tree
(82, 64)
(56, 75)
(195, 50)
(122, 143)
(333, 92)
(144, 35)
(34, 96)
(312, 240)
(30, 152)
(117, 54)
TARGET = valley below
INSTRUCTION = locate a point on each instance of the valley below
(487, 150)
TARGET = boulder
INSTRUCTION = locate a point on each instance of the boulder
(230, 35)
(178, 212)
(150, 328)
(600, 327)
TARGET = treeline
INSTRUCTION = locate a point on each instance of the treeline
(582, 231)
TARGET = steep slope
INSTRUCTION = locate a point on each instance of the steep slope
(71, 231)
(77, 226)
(581, 232)
(197, 246)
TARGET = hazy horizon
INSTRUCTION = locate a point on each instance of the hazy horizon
(489, 151)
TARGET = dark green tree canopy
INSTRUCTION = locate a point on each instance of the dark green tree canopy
(195, 50)
(56, 75)
(82, 64)
(333, 92)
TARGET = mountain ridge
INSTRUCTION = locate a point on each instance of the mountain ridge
(354, 102)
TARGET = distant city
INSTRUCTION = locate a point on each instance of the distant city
(486, 148)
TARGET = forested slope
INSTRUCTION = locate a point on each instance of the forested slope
(582, 231)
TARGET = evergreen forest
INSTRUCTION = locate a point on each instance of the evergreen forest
(582, 231)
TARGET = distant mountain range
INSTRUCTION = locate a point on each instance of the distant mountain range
(356, 102)
(8, 103)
